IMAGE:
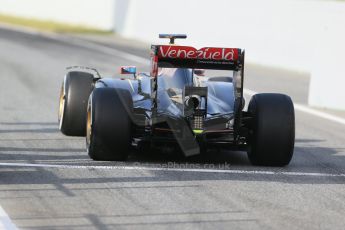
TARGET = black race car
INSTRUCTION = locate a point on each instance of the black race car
(185, 103)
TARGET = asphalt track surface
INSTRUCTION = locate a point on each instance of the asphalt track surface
(47, 180)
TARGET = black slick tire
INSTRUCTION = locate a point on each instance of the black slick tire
(273, 130)
(75, 91)
(109, 124)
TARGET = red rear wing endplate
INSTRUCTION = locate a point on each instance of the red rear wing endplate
(170, 56)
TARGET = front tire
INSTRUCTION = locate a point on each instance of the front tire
(75, 91)
(273, 130)
(109, 124)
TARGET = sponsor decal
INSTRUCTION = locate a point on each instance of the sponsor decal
(206, 53)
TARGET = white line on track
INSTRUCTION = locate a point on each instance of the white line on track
(5, 221)
(222, 171)
(307, 109)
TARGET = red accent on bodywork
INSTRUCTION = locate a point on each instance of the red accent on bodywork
(127, 69)
(206, 53)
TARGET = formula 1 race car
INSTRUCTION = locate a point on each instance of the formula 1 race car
(185, 103)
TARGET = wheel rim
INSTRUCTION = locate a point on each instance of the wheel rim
(88, 127)
(61, 106)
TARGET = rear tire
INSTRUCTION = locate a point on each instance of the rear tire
(109, 124)
(75, 91)
(273, 130)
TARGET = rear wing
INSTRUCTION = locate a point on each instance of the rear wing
(171, 56)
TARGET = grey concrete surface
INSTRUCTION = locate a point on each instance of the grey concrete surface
(31, 71)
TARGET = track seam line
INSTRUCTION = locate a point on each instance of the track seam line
(166, 169)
